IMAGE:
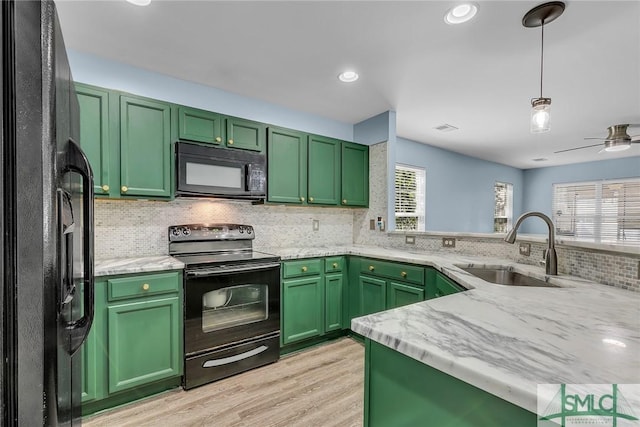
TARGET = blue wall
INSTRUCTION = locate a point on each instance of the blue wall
(538, 183)
(459, 188)
(98, 71)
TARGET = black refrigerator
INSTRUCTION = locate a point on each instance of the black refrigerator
(46, 223)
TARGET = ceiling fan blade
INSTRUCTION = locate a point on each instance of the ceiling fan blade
(577, 148)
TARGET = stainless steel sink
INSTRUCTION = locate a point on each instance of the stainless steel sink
(503, 276)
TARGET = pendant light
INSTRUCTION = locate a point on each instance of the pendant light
(538, 17)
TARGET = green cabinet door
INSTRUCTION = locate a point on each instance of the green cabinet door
(373, 295)
(245, 134)
(301, 309)
(144, 338)
(323, 168)
(199, 125)
(355, 174)
(94, 134)
(445, 286)
(399, 294)
(145, 147)
(92, 351)
(287, 166)
(333, 291)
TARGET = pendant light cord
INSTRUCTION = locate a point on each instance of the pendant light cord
(542, 58)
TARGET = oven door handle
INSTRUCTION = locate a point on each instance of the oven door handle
(232, 359)
(217, 271)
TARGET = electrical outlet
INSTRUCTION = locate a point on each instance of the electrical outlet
(525, 249)
(448, 242)
(410, 240)
(316, 225)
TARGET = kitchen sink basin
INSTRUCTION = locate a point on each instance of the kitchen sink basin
(502, 276)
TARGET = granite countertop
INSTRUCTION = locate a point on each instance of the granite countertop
(111, 267)
(507, 339)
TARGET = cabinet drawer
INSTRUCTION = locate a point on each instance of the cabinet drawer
(305, 267)
(334, 264)
(404, 272)
(139, 286)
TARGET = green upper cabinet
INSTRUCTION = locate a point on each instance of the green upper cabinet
(355, 174)
(94, 134)
(145, 147)
(245, 134)
(287, 166)
(213, 128)
(323, 170)
(200, 126)
(309, 169)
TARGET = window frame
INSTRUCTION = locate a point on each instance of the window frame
(508, 208)
(420, 198)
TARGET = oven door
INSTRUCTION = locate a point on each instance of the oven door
(230, 304)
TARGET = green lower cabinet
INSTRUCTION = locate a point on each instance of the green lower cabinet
(373, 295)
(446, 286)
(302, 309)
(399, 294)
(144, 339)
(135, 345)
(333, 297)
(403, 392)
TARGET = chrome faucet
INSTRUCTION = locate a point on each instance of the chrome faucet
(551, 258)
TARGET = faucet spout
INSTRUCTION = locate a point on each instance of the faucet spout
(551, 258)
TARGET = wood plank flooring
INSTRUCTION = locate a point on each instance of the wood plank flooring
(323, 386)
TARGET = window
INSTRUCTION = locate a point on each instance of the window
(410, 185)
(603, 211)
(503, 211)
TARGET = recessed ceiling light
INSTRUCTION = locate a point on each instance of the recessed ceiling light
(461, 13)
(139, 2)
(348, 76)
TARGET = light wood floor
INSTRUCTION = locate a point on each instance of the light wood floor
(322, 386)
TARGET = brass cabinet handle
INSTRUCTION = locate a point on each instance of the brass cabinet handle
(218, 139)
(344, 201)
(230, 142)
(403, 274)
(105, 188)
(304, 269)
(302, 199)
(145, 287)
(335, 265)
(311, 199)
(371, 268)
(124, 188)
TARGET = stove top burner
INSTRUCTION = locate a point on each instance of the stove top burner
(197, 259)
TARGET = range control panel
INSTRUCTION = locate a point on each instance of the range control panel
(191, 232)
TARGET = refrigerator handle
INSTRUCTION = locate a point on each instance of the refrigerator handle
(77, 162)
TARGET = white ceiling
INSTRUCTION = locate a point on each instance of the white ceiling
(478, 76)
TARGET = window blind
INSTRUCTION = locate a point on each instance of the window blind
(410, 186)
(601, 211)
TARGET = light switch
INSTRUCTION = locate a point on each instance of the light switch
(410, 240)
(316, 225)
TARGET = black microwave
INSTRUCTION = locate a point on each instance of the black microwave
(205, 171)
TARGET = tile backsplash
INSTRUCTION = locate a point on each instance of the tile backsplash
(139, 228)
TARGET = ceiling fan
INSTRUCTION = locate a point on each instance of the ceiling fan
(617, 140)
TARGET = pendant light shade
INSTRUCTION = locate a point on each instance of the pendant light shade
(540, 114)
(538, 17)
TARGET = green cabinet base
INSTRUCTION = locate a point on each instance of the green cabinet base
(401, 391)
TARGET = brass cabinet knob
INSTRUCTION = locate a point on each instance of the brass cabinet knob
(344, 201)
(311, 199)
(371, 268)
(302, 199)
(145, 287)
(335, 265)
(230, 142)
(304, 269)
(105, 188)
(403, 274)
(218, 139)
(124, 188)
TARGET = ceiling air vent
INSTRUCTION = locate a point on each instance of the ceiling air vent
(445, 128)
